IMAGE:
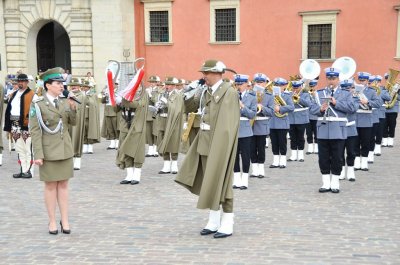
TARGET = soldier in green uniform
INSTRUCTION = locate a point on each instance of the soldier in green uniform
(92, 116)
(77, 132)
(109, 129)
(49, 118)
(131, 153)
(208, 166)
(152, 95)
(172, 107)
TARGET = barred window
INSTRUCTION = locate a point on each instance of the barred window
(319, 41)
(159, 29)
(225, 24)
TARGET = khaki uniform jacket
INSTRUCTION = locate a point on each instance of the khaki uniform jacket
(173, 129)
(77, 131)
(219, 144)
(92, 112)
(51, 147)
(134, 143)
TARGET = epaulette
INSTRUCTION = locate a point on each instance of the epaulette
(38, 99)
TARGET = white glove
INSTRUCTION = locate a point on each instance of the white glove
(185, 125)
(164, 100)
(118, 99)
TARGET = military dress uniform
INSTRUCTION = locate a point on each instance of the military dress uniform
(351, 140)
(151, 138)
(16, 121)
(265, 109)
(311, 127)
(279, 126)
(389, 128)
(76, 132)
(298, 119)
(208, 166)
(170, 144)
(384, 96)
(92, 132)
(247, 112)
(364, 123)
(332, 131)
(109, 128)
(131, 152)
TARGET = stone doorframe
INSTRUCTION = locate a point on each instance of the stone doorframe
(23, 20)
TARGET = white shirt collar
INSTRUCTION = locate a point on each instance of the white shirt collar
(215, 86)
(51, 98)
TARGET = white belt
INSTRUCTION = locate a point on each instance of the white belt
(261, 118)
(127, 113)
(350, 123)
(300, 109)
(204, 126)
(164, 115)
(332, 119)
(364, 111)
(374, 108)
(244, 119)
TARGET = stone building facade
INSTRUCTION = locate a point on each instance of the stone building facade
(78, 34)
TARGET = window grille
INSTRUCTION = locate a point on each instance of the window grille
(225, 24)
(159, 26)
(319, 41)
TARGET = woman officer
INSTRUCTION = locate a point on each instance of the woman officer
(49, 118)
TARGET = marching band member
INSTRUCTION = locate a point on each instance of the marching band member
(92, 116)
(384, 95)
(351, 140)
(298, 119)
(131, 152)
(279, 123)
(208, 166)
(375, 120)
(16, 121)
(77, 131)
(248, 110)
(265, 108)
(1, 122)
(389, 127)
(364, 122)
(311, 127)
(332, 106)
(152, 92)
(173, 109)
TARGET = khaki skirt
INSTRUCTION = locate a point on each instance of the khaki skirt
(56, 170)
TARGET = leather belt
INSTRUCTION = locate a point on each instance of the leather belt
(204, 126)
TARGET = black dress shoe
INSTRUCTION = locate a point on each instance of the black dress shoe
(221, 235)
(134, 182)
(370, 162)
(335, 190)
(308, 153)
(75, 168)
(235, 187)
(273, 166)
(162, 172)
(322, 190)
(17, 175)
(253, 176)
(352, 179)
(174, 172)
(125, 182)
(110, 148)
(205, 232)
(260, 176)
(155, 155)
(243, 188)
(356, 169)
(282, 166)
(148, 155)
(378, 154)
(26, 175)
(364, 169)
(64, 231)
(301, 160)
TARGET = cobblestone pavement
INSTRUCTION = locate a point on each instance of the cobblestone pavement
(281, 219)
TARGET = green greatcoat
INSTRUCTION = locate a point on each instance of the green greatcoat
(1, 116)
(173, 129)
(133, 145)
(109, 128)
(77, 132)
(92, 114)
(218, 146)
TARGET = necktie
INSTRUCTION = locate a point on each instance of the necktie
(240, 95)
(56, 103)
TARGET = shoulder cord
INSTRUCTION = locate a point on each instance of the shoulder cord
(43, 125)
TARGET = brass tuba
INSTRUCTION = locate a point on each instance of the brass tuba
(392, 88)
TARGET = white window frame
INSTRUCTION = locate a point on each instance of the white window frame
(224, 4)
(316, 18)
(157, 5)
(398, 33)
